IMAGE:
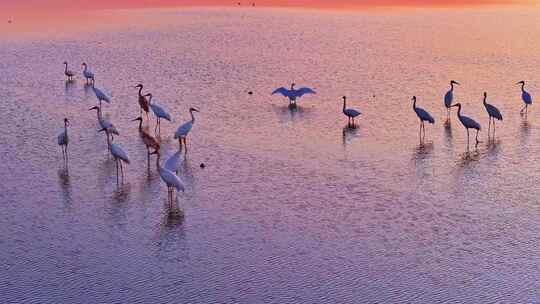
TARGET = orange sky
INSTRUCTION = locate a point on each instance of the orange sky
(98, 4)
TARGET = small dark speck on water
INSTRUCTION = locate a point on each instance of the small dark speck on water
(250, 93)
(9, 21)
(203, 165)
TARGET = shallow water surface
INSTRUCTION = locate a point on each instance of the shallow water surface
(292, 207)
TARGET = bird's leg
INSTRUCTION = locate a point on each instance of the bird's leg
(467, 138)
(157, 122)
(121, 170)
(116, 162)
(489, 127)
(477, 141)
(66, 153)
(424, 128)
(493, 129)
(420, 132)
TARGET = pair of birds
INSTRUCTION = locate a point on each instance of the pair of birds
(293, 94)
(87, 73)
(146, 104)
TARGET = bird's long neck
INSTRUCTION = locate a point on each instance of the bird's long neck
(65, 69)
(414, 104)
(459, 111)
(522, 87)
(140, 91)
(65, 127)
(485, 97)
(85, 67)
(344, 103)
(451, 87)
(192, 117)
(140, 125)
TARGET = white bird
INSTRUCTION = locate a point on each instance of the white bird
(525, 96)
(173, 162)
(87, 73)
(101, 96)
(493, 113)
(119, 156)
(449, 98)
(183, 130)
(423, 115)
(105, 124)
(468, 123)
(159, 112)
(349, 112)
(63, 139)
(293, 94)
(69, 74)
(143, 102)
(171, 180)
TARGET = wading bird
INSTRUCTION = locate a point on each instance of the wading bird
(468, 123)
(143, 102)
(171, 180)
(101, 96)
(493, 113)
(69, 73)
(159, 112)
(525, 96)
(119, 156)
(105, 124)
(423, 115)
(349, 112)
(148, 140)
(183, 130)
(449, 98)
(293, 94)
(88, 74)
(63, 139)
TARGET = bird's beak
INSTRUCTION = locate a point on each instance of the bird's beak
(457, 83)
(454, 105)
(155, 152)
(102, 130)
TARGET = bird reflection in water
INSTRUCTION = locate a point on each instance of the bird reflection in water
(423, 151)
(286, 114)
(348, 134)
(69, 84)
(65, 185)
(87, 87)
(525, 128)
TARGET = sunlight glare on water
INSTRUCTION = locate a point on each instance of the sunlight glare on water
(292, 206)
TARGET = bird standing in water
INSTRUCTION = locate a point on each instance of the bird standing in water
(183, 130)
(350, 113)
(143, 102)
(69, 73)
(525, 96)
(63, 139)
(449, 98)
(468, 123)
(293, 93)
(493, 113)
(423, 115)
(88, 74)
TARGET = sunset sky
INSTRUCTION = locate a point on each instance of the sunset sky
(99, 4)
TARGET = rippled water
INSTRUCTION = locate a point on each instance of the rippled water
(292, 207)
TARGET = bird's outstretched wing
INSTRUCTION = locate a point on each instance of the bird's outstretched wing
(303, 91)
(283, 91)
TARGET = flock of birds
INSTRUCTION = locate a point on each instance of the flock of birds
(169, 170)
(494, 114)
